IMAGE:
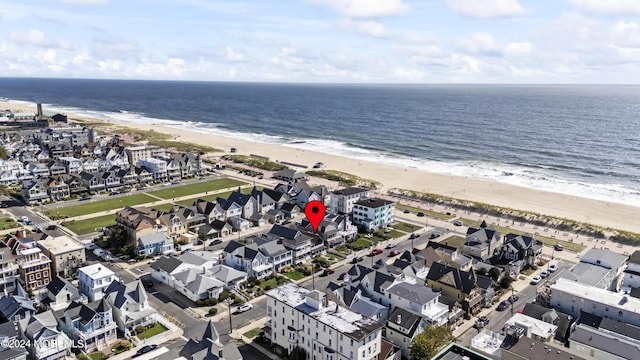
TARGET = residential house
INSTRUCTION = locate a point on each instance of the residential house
(342, 200)
(456, 286)
(44, 339)
(92, 166)
(8, 270)
(57, 189)
(145, 177)
(290, 176)
(631, 275)
(209, 347)
(275, 216)
(137, 222)
(327, 231)
(130, 305)
(59, 150)
(230, 277)
(165, 269)
(211, 210)
(190, 164)
(601, 268)
(154, 244)
(267, 199)
(277, 255)
(127, 176)
(248, 259)
(198, 284)
(38, 169)
(17, 306)
(61, 293)
(190, 217)
(487, 289)
(157, 167)
(110, 178)
(174, 223)
(530, 327)
(354, 299)
(56, 167)
(173, 169)
(34, 191)
(402, 327)
(300, 244)
(518, 252)
(65, 253)
(419, 299)
(76, 184)
(563, 321)
(137, 153)
(71, 164)
(8, 178)
(323, 328)
(116, 156)
(604, 338)
(373, 214)
(94, 182)
(481, 242)
(346, 229)
(8, 337)
(34, 268)
(91, 325)
(290, 210)
(93, 280)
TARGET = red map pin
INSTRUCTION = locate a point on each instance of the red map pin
(315, 211)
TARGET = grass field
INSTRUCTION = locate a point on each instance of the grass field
(408, 228)
(432, 214)
(545, 239)
(395, 234)
(197, 188)
(294, 275)
(153, 331)
(224, 195)
(87, 226)
(455, 241)
(98, 206)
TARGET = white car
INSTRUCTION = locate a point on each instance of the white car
(535, 280)
(244, 307)
(24, 219)
(553, 268)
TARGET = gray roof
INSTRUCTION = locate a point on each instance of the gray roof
(38, 326)
(226, 274)
(203, 283)
(408, 320)
(16, 304)
(373, 203)
(366, 307)
(635, 257)
(589, 274)
(604, 258)
(272, 248)
(156, 238)
(606, 342)
(120, 294)
(415, 293)
(197, 257)
(168, 264)
(350, 191)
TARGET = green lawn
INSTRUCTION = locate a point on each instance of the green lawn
(9, 224)
(98, 356)
(87, 226)
(197, 188)
(343, 249)
(395, 234)
(274, 282)
(98, 206)
(408, 228)
(153, 331)
(294, 275)
(224, 195)
(252, 333)
(360, 243)
(432, 214)
(454, 241)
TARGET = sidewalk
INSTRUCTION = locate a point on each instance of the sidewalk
(259, 323)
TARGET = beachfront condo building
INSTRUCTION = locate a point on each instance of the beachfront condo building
(374, 214)
(135, 153)
(324, 329)
(342, 200)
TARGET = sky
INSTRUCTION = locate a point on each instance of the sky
(325, 41)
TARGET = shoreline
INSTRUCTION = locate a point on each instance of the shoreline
(597, 212)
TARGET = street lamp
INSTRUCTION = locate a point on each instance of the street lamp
(512, 303)
(229, 301)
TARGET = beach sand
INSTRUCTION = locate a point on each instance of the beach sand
(609, 214)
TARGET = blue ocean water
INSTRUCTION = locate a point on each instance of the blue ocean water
(575, 139)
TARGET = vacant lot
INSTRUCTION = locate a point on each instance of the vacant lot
(197, 188)
(98, 206)
(87, 226)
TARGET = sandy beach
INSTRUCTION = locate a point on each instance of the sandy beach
(609, 214)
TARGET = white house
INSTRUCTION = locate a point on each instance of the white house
(373, 214)
(93, 280)
(46, 341)
(165, 269)
(130, 305)
(402, 327)
(198, 284)
(247, 259)
(631, 274)
(157, 167)
(323, 328)
(342, 200)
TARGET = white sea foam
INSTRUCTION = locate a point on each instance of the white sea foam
(541, 177)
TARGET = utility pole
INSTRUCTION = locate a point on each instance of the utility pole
(313, 276)
(511, 302)
(229, 301)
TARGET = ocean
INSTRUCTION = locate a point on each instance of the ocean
(582, 140)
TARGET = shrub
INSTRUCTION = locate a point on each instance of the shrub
(122, 346)
(267, 288)
(213, 311)
(200, 303)
(82, 356)
(212, 301)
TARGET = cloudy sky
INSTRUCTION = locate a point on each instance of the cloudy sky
(345, 41)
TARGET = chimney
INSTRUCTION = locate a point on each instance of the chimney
(326, 300)
(399, 319)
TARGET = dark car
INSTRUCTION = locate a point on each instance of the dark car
(145, 349)
(406, 211)
(503, 305)
(52, 227)
(420, 214)
(342, 276)
(513, 298)
(414, 236)
(216, 242)
(147, 283)
(357, 259)
(327, 272)
(558, 247)
(434, 235)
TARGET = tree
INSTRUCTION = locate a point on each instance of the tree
(3, 153)
(494, 273)
(297, 353)
(506, 281)
(427, 344)
(481, 271)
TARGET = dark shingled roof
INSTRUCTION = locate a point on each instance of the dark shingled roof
(408, 320)
(373, 202)
(349, 191)
(463, 280)
(56, 285)
(561, 320)
(167, 264)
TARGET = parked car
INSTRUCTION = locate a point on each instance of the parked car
(553, 268)
(28, 222)
(85, 198)
(216, 242)
(558, 247)
(503, 305)
(24, 219)
(513, 298)
(420, 214)
(535, 280)
(457, 223)
(357, 259)
(342, 276)
(391, 245)
(244, 307)
(482, 322)
(375, 252)
(145, 349)
(327, 272)
(544, 274)
(52, 227)
(414, 236)
(406, 211)
(147, 283)
(394, 252)
(434, 235)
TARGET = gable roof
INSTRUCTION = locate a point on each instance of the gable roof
(57, 284)
(465, 281)
(166, 263)
(407, 320)
(415, 293)
(232, 246)
(119, 294)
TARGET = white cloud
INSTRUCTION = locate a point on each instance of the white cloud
(109, 66)
(609, 7)
(232, 55)
(287, 58)
(36, 37)
(81, 58)
(487, 8)
(367, 27)
(479, 43)
(364, 8)
(518, 48)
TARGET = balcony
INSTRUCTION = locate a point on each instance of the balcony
(101, 330)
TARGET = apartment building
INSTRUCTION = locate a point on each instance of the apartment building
(374, 214)
(66, 254)
(323, 328)
(93, 280)
(8, 270)
(34, 268)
